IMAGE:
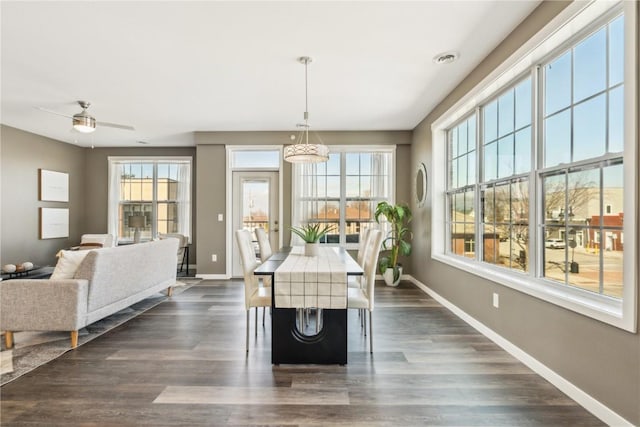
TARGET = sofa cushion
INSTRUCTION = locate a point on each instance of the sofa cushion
(68, 262)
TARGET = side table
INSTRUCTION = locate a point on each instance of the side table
(35, 273)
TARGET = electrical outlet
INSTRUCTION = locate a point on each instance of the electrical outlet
(220, 217)
(214, 258)
(496, 300)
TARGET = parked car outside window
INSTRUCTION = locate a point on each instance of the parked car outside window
(554, 244)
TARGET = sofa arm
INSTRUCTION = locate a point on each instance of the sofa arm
(43, 305)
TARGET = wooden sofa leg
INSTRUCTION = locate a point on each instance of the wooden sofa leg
(74, 339)
(8, 339)
(169, 291)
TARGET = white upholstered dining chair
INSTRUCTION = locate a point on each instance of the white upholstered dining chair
(265, 250)
(363, 297)
(263, 243)
(363, 247)
(254, 294)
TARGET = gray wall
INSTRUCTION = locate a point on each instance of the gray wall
(97, 185)
(602, 360)
(22, 154)
(211, 177)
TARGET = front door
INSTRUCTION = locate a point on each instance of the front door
(255, 204)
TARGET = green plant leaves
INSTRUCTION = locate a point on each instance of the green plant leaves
(396, 241)
(311, 233)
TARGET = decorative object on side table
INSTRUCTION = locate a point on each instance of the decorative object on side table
(396, 242)
(14, 271)
(9, 268)
(311, 235)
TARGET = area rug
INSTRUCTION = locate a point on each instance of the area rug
(33, 349)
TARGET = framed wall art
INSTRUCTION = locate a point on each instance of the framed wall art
(54, 186)
(54, 223)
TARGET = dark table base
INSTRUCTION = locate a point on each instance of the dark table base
(328, 347)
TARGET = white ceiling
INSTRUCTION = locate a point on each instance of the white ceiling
(171, 68)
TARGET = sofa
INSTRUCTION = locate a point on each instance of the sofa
(106, 281)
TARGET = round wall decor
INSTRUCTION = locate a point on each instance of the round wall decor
(421, 185)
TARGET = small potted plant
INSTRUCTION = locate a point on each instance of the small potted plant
(311, 235)
(396, 242)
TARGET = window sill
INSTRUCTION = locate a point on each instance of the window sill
(605, 309)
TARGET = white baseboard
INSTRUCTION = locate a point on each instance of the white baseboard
(213, 276)
(585, 400)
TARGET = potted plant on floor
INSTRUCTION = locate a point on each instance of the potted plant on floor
(311, 235)
(397, 241)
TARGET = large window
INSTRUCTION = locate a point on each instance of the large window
(536, 177)
(343, 192)
(158, 189)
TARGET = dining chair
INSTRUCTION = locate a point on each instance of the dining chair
(265, 250)
(254, 294)
(363, 297)
(363, 246)
(263, 243)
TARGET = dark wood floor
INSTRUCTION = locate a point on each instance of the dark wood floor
(183, 363)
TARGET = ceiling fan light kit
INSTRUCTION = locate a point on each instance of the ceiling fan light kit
(303, 151)
(83, 121)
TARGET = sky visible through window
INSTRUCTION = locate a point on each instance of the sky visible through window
(583, 95)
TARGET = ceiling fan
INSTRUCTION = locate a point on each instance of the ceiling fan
(85, 122)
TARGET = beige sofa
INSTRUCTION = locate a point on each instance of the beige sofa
(107, 280)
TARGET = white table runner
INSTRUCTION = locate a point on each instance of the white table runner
(311, 282)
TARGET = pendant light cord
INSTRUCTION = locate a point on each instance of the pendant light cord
(306, 101)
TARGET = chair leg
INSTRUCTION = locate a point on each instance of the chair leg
(257, 321)
(371, 332)
(74, 339)
(8, 339)
(248, 330)
(364, 317)
(169, 291)
(264, 310)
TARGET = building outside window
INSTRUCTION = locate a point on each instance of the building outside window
(158, 189)
(343, 192)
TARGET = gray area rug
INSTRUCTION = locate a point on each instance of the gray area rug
(33, 349)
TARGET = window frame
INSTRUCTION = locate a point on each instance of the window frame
(343, 150)
(572, 25)
(154, 161)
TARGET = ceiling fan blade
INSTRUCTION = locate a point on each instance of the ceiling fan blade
(54, 112)
(115, 125)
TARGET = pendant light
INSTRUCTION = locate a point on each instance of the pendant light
(303, 151)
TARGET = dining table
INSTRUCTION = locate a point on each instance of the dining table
(318, 283)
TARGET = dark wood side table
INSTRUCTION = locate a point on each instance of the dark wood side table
(35, 273)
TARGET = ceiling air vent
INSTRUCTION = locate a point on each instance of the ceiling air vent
(445, 58)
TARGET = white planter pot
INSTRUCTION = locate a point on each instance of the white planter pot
(311, 249)
(388, 277)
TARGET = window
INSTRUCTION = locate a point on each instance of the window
(343, 192)
(255, 159)
(537, 171)
(158, 189)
